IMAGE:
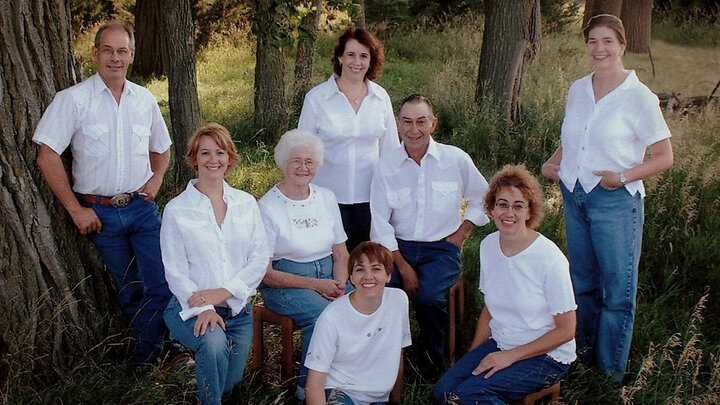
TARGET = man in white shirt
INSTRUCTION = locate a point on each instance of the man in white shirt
(120, 149)
(415, 200)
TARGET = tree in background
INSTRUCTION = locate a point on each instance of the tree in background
(505, 41)
(179, 32)
(595, 7)
(359, 13)
(307, 36)
(54, 301)
(636, 15)
(149, 39)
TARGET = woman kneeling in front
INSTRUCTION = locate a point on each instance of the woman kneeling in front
(524, 337)
(356, 350)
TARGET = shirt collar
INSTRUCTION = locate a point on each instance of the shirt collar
(432, 151)
(631, 81)
(333, 88)
(99, 85)
(196, 197)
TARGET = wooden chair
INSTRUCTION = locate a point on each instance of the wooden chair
(456, 310)
(287, 327)
(551, 393)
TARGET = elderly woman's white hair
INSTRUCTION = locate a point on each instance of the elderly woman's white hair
(298, 138)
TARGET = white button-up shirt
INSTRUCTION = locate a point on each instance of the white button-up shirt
(198, 254)
(111, 142)
(422, 202)
(611, 134)
(354, 142)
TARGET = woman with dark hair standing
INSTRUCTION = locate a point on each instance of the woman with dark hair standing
(611, 118)
(354, 118)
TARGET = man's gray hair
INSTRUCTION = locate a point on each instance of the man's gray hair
(116, 24)
(298, 138)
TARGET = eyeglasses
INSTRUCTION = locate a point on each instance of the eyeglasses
(297, 162)
(516, 207)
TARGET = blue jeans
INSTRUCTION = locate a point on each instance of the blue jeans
(335, 396)
(437, 265)
(129, 244)
(507, 385)
(304, 306)
(604, 238)
(356, 222)
(220, 356)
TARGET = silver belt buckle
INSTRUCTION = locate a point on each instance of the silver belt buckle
(120, 200)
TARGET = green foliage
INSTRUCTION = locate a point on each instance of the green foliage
(687, 11)
(559, 15)
(220, 18)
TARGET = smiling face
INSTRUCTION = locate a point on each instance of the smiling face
(113, 55)
(301, 167)
(510, 211)
(416, 124)
(212, 160)
(369, 277)
(604, 49)
(355, 60)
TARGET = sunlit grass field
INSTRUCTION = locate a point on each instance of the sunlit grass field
(674, 357)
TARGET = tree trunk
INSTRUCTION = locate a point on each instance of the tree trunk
(270, 104)
(595, 7)
(534, 30)
(182, 82)
(359, 19)
(636, 17)
(149, 39)
(53, 293)
(307, 35)
(505, 40)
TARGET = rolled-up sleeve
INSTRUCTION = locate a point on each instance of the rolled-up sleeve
(381, 231)
(475, 188)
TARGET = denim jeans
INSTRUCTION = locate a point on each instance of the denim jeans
(507, 385)
(129, 244)
(356, 222)
(220, 356)
(437, 265)
(303, 305)
(604, 238)
(334, 396)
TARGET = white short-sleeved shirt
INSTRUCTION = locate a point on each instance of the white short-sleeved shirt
(301, 230)
(361, 353)
(422, 202)
(611, 134)
(354, 142)
(111, 142)
(524, 292)
(198, 254)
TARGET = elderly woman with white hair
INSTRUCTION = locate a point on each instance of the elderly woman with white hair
(306, 237)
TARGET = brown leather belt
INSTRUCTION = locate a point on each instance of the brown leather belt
(118, 200)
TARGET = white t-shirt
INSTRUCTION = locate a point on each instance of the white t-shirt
(354, 141)
(361, 353)
(611, 134)
(110, 142)
(523, 292)
(303, 230)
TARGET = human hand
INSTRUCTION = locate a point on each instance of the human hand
(207, 319)
(330, 289)
(494, 362)
(608, 179)
(215, 296)
(151, 188)
(86, 220)
(457, 238)
(551, 171)
(409, 279)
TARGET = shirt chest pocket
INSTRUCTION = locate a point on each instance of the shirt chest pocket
(398, 199)
(141, 140)
(97, 139)
(445, 196)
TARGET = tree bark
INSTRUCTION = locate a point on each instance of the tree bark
(505, 40)
(149, 39)
(54, 295)
(636, 16)
(595, 7)
(182, 82)
(359, 13)
(306, 54)
(534, 30)
(270, 104)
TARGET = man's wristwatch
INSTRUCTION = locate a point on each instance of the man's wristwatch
(623, 180)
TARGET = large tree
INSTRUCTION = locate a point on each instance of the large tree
(182, 81)
(595, 7)
(636, 16)
(505, 41)
(307, 36)
(53, 295)
(149, 39)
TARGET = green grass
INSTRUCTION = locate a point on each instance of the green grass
(675, 356)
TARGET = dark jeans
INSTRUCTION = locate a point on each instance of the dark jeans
(356, 222)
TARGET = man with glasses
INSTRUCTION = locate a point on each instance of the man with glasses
(415, 201)
(120, 150)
